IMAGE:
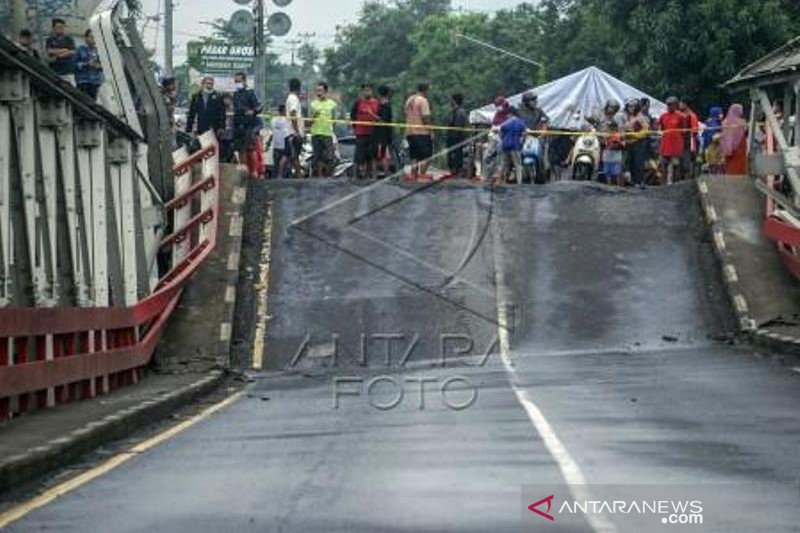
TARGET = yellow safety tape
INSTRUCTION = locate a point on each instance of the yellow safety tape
(483, 129)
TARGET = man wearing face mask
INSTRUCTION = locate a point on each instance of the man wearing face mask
(247, 125)
(207, 110)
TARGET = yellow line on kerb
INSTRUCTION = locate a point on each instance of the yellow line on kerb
(20, 511)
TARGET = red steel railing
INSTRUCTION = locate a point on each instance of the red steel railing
(50, 356)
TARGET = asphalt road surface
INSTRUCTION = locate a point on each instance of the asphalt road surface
(605, 325)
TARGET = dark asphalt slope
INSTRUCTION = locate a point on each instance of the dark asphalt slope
(616, 300)
(386, 260)
(590, 268)
(600, 269)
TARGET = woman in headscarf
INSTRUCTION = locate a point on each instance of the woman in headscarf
(503, 111)
(733, 141)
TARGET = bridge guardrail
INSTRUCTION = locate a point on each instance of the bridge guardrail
(52, 355)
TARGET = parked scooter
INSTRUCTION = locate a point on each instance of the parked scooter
(586, 157)
(532, 171)
(490, 162)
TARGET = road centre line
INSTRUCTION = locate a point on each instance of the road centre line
(570, 470)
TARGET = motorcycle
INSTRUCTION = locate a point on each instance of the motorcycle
(532, 160)
(586, 157)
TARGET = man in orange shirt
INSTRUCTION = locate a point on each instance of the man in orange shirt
(672, 124)
(691, 144)
(418, 131)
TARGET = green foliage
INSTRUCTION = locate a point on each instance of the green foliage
(681, 47)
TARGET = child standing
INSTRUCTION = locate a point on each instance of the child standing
(715, 158)
(280, 132)
(613, 156)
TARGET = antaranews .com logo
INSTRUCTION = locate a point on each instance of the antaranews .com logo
(677, 512)
(607, 508)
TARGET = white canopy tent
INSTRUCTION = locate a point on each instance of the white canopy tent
(567, 100)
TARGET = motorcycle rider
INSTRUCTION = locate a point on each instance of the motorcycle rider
(536, 119)
(530, 112)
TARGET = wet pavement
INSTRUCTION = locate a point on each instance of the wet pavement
(620, 368)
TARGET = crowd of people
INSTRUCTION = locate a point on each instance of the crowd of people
(636, 147)
(78, 65)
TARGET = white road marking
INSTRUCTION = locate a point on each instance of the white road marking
(237, 226)
(233, 261)
(719, 238)
(570, 470)
(730, 274)
(230, 294)
(712, 214)
(225, 331)
(740, 303)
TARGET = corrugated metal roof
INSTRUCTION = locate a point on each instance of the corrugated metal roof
(785, 60)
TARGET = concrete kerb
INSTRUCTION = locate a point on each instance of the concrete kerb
(19, 469)
(747, 325)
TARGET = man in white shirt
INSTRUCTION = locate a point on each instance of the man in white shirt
(294, 111)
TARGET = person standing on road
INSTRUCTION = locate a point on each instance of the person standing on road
(89, 71)
(457, 136)
(323, 113)
(512, 135)
(280, 134)
(364, 114)
(60, 49)
(637, 129)
(25, 42)
(418, 132)
(502, 111)
(713, 125)
(733, 141)
(297, 137)
(206, 110)
(671, 124)
(534, 116)
(613, 156)
(247, 125)
(690, 141)
(384, 135)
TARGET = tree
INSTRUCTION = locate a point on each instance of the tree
(378, 47)
(309, 56)
(681, 47)
(664, 47)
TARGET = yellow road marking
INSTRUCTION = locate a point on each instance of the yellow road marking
(262, 293)
(20, 511)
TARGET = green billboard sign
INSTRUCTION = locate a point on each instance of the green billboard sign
(220, 58)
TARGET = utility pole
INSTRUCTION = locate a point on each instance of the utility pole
(260, 51)
(293, 44)
(168, 44)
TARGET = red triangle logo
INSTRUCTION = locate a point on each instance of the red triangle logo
(549, 502)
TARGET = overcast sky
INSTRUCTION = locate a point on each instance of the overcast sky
(309, 16)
